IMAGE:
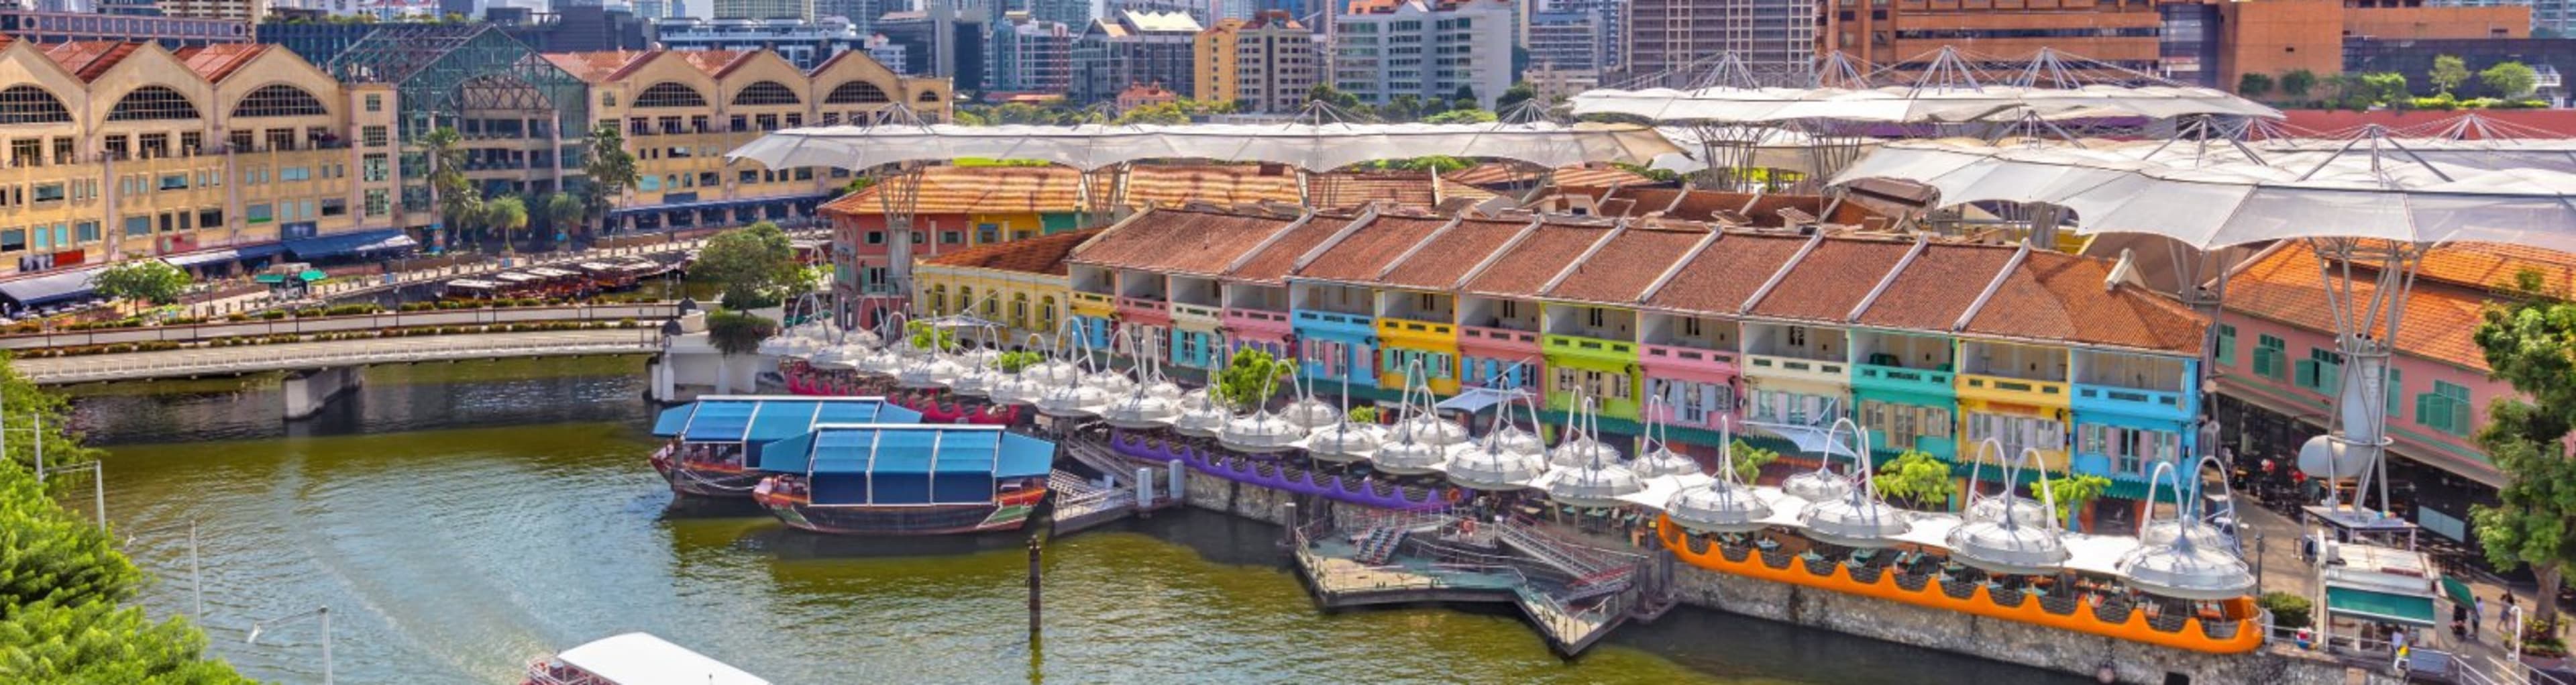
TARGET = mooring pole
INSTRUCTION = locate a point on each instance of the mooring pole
(1034, 575)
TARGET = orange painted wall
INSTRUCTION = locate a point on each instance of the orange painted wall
(2272, 37)
(2438, 22)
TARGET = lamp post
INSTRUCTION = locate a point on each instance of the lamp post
(196, 572)
(323, 613)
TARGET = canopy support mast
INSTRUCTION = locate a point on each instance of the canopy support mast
(2366, 327)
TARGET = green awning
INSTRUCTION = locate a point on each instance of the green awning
(2384, 607)
(269, 278)
(2458, 592)
(311, 275)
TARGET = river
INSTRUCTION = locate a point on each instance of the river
(459, 519)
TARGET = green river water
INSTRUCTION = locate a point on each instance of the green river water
(460, 519)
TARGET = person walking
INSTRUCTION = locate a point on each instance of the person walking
(2474, 620)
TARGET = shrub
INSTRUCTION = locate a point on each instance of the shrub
(272, 315)
(350, 309)
(2288, 610)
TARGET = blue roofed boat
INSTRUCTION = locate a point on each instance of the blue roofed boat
(889, 479)
(714, 444)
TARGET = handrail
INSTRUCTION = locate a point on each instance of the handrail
(210, 330)
(303, 355)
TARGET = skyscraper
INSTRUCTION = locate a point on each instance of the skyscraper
(1677, 37)
(764, 9)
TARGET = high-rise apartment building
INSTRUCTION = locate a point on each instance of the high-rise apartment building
(1030, 55)
(244, 10)
(803, 43)
(2121, 33)
(1569, 41)
(1213, 59)
(1671, 42)
(1073, 13)
(1132, 48)
(1266, 64)
(1276, 63)
(1406, 47)
(764, 9)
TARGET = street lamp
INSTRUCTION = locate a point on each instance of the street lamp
(196, 572)
(322, 612)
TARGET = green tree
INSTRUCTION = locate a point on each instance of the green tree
(1250, 377)
(923, 336)
(2386, 88)
(734, 332)
(755, 265)
(2073, 493)
(1404, 107)
(2297, 82)
(1164, 113)
(2528, 341)
(1918, 478)
(142, 280)
(2448, 73)
(1015, 360)
(64, 586)
(564, 212)
(608, 170)
(1461, 116)
(1520, 92)
(2510, 80)
(1749, 460)
(1362, 414)
(2254, 85)
(1465, 94)
(507, 214)
(1327, 94)
(457, 199)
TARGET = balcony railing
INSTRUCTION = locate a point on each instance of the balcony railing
(1932, 379)
(1332, 318)
(1498, 335)
(1688, 355)
(2015, 385)
(1404, 326)
(1569, 344)
(1197, 310)
(1145, 304)
(2155, 401)
(1796, 365)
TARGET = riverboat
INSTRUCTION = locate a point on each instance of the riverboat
(891, 479)
(713, 442)
(635, 659)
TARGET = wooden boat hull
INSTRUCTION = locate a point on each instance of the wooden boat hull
(703, 482)
(1010, 513)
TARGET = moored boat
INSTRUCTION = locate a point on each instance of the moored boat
(713, 442)
(889, 479)
(634, 659)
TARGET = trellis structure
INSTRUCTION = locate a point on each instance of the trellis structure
(443, 71)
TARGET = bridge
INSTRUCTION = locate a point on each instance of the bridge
(641, 312)
(322, 370)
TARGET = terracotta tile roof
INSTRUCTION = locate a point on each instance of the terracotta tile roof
(599, 67)
(1500, 174)
(89, 59)
(1441, 262)
(712, 62)
(1366, 252)
(1828, 282)
(1937, 287)
(1273, 263)
(1721, 277)
(977, 190)
(1233, 184)
(2055, 296)
(1040, 255)
(216, 62)
(2493, 266)
(1527, 267)
(1176, 241)
(1628, 264)
(2283, 286)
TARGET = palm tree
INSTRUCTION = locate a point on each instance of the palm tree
(509, 214)
(563, 211)
(609, 167)
(454, 196)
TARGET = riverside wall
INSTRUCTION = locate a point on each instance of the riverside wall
(2001, 640)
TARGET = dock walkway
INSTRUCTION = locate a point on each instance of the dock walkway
(1393, 559)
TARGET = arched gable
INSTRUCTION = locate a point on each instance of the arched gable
(148, 66)
(280, 67)
(765, 67)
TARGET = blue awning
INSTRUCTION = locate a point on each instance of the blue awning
(215, 256)
(50, 289)
(711, 204)
(758, 419)
(351, 243)
(895, 465)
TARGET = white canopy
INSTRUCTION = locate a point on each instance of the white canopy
(1314, 147)
(1768, 147)
(1914, 104)
(642, 659)
(2365, 189)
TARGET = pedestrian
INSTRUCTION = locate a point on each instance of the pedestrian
(2504, 612)
(2475, 617)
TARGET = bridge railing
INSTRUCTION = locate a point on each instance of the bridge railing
(250, 359)
(328, 324)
